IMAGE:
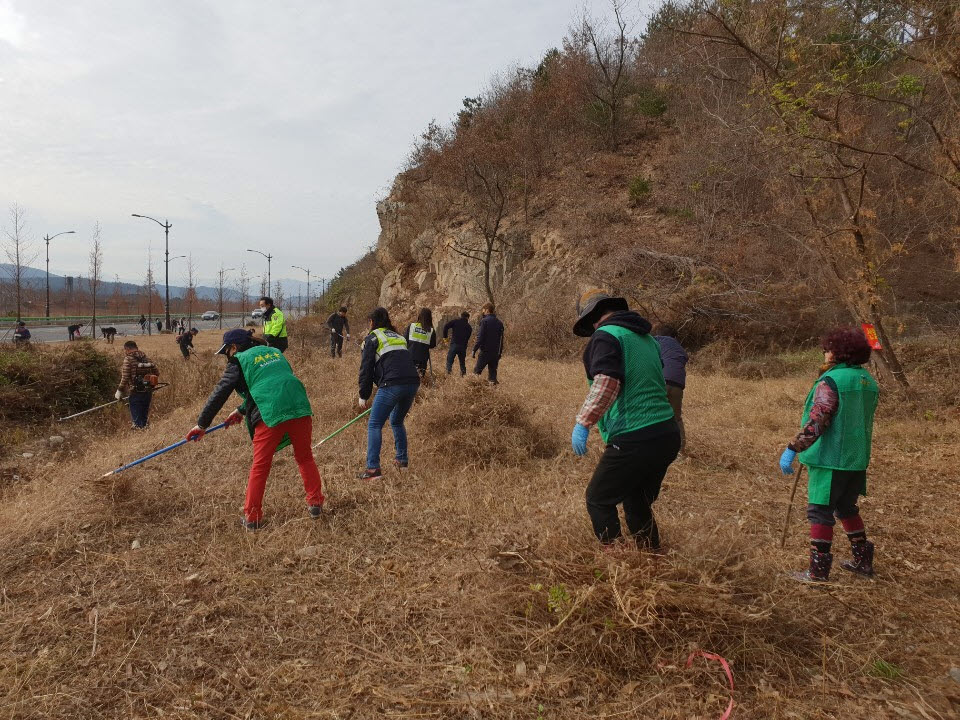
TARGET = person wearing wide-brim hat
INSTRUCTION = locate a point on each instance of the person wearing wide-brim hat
(628, 404)
(277, 412)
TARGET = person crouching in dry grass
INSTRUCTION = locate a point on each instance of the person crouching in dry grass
(628, 404)
(834, 444)
(277, 412)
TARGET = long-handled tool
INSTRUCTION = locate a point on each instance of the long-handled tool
(159, 452)
(786, 519)
(112, 402)
(334, 434)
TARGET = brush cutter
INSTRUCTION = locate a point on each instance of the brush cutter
(159, 452)
(112, 402)
(334, 434)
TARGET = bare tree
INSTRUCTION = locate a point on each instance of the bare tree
(19, 251)
(191, 297)
(221, 274)
(116, 297)
(95, 278)
(278, 294)
(264, 290)
(243, 290)
(149, 287)
(612, 67)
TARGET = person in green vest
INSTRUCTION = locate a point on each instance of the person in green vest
(274, 325)
(421, 339)
(627, 401)
(834, 444)
(277, 412)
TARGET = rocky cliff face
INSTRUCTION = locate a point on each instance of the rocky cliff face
(428, 272)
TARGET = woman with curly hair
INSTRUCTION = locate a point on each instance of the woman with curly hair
(834, 445)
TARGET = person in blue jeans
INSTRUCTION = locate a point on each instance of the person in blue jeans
(386, 362)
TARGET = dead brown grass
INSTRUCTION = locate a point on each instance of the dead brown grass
(468, 589)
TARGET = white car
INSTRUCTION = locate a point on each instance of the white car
(257, 313)
(210, 315)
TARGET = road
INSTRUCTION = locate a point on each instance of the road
(58, 333)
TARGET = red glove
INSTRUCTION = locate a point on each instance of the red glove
(234, 418)
(196, 434)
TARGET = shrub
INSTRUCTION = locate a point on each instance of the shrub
(639, 188)
(650, 103)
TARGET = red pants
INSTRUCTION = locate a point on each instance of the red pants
(265, 441)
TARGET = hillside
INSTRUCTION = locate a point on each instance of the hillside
(709, 207)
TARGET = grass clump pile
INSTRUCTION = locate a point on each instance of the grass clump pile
(36, 384)
(488, 428)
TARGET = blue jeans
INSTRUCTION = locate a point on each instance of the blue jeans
(140, 408)
(392, 402)
(457, 352)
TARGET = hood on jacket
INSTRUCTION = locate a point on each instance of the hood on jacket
(630, 320)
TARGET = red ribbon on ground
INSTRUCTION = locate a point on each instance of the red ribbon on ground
(726, 669)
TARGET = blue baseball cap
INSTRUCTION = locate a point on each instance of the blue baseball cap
(237, 336)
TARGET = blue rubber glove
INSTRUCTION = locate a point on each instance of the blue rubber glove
(786, 461)
(579, 439)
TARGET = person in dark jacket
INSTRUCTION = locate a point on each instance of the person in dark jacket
(674, 358)
(185, 341)
(138, 378)
(421, 339)
(628, 404)
(74, 330)
(386, 362)
(21, 335)
(142, 322)
(489, 343)
(339, 330)
(159, 325)
(277, 412)
(460, 332)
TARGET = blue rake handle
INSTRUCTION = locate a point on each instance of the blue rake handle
(159, 452)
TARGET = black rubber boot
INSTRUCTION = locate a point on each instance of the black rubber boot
(820, 563)
(315, 511)
(862, 563)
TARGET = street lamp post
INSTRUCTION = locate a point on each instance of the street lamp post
(166, 234)
(48, 238)
(307, 271)
(269, 258)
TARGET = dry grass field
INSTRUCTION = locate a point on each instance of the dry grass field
(469, 586)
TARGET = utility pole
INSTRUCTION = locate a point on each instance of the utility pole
(166, 234)
(307, 271)
(269, 258)
(47, 239)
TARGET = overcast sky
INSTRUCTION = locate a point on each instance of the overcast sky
(247, 124)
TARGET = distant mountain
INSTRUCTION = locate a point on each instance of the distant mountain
(292, 289)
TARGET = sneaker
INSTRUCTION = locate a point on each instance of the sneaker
(252, 525)
(370, 474)
(315, 511)
(401, 464)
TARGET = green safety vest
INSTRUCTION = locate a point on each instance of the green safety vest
(419, 334)
(276, 325)
(643, 396)
(388, 341)
(278, 393)
(845, 445)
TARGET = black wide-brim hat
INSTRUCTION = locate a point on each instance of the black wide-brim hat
(591, 306)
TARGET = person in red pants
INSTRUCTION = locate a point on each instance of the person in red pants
(277, 412)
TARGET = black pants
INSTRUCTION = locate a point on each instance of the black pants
(185, 351)
(457, 352)
(280, 343)
(336, 345)
(630, 472)
(845, 487)
(488, 361)
(140, 408)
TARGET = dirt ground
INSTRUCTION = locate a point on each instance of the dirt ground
(469, 586)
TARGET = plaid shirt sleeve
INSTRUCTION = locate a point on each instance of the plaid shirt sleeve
(126, 372)
(825, 404)
(602, 395)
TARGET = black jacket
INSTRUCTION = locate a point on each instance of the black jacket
(603, 354)
(185, 340)
(232, 380)
(490, 336)
(418, 351)
(339, 323)
(461, 331)
(394, 368)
